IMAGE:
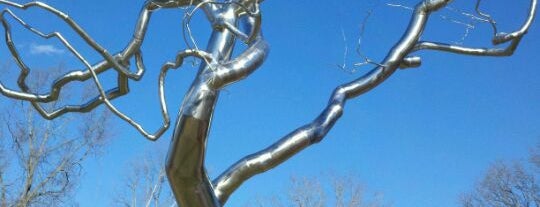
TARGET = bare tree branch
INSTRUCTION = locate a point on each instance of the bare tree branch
(146, 183)
(47, 160)
(504, 184)
(346, 190)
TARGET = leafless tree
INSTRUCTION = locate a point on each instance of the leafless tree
(306, 192)
(505, 184)
(41, 161)
(508, 184)
(146, 184)
(534, 157)
(343, 191)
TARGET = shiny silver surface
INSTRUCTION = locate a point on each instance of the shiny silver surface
(400, 56)
(185, 161)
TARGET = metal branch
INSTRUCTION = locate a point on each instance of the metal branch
(487, 17)
(516, 35)
(25, 70)
(80, 31)
(241, 66)
(509, 50)
(315, 131)
(514, 38)
(177, 63)
(105, 96)
(131, 50)
(185, 162)
(217, 20)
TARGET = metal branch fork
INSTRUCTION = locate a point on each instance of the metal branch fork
(185, 162)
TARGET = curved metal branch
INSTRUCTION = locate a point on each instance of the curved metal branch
(133, 48)
(80, 31)
(516, 35)
(178, 62)
(161, 91)
(74, 75)
(247, 62)
(514, 38)
(218, 20)
(78, 75)
(508, 51)
(486, 16)
(240, 67)
(315, 131)
(103, 95)
(173, 3)
(118, 61)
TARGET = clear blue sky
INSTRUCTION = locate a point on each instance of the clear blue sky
(421, 138)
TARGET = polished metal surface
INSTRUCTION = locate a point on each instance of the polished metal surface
(399, 56)
(185, 161)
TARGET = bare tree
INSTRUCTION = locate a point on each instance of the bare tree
(343, 191)
(41, 161)
(146, 184)
(185, 165)
(306, 192)
(508, 184)
(505, 184)
(534, 156)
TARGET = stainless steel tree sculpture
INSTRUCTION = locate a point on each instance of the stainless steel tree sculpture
(185, 163)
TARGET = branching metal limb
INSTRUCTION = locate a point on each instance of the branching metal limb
(253, 57)
(173, 3)
(240, 67)
(504, 37)
(24, 69)
(231, 71)
(218, 23)
(112, 94)
(53, 95)
(507, 51)
(185, 163)
(161, 82)
(78, 29)
(105, 96)
(515, 38)
(314, 132)
(131, 50)
(254, 20)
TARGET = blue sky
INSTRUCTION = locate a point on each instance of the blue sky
(421, 138)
